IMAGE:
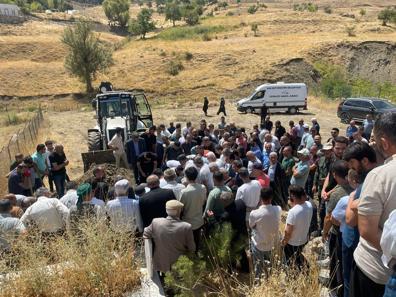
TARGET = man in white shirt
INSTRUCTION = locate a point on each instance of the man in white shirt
(205, 177)
(123, 212)
(171, 183)
(264, 223)
(70, 198)
(48, 215)
(252, 160)
(249, 192)
(269, 138)
(297, 227)
(117, 145)
(10, 227)
(161, 132)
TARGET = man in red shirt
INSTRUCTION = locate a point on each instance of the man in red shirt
(260, 175)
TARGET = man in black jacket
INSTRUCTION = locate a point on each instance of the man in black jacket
(134, 147)
(278, 181)
(152, 204)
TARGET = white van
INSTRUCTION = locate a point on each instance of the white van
(276, 97)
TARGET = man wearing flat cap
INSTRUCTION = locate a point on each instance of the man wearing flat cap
(171, 236)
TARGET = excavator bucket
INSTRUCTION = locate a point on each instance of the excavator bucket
(97, 157)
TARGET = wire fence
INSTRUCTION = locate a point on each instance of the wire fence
(24, 142)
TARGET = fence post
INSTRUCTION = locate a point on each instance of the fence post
(17, 142)
(30, 132)
(9, 154)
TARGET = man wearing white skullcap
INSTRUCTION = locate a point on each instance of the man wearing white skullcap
(123, 212)
(171, 236)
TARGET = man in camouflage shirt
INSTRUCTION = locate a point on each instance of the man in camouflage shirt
(320, 175)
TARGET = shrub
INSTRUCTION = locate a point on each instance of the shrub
(252, 9)
(188, 56)
(162, 53)
(36, 6)
(362, 12)
(334, 83)
(306, 6)
(223, 4)
(210, 269)
(328, 9)
(388, 15)
(189, 32)
(174, 67)
(229, 13)
(206, 37)
(350, 30)
(311, 7)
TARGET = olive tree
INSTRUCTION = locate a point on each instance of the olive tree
(86, 54)
(117, 11)
(142, 24)
(388, 15)
(173, 12)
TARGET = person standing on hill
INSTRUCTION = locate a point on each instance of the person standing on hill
(222, 107)
(205, 106)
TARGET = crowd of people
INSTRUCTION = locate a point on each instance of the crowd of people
(189, 179)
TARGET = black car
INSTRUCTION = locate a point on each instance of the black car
(357, 108)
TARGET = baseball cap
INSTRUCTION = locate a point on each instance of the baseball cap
(328, 146)
(304, 152)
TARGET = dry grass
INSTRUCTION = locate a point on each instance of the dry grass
(93, 262)
(284, 282)
(219, 66)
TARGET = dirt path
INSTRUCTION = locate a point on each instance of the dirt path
(70, 128)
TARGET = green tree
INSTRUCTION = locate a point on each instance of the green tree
(86, 54)
(142, 24)
(388, 15)
(117, 11)
(191, 13)
(173, 12)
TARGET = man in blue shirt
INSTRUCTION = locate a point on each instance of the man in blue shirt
(368, 125)
(301, 169)
(352, 128)
(18, 183)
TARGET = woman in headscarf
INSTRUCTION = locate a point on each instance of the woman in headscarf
(83, 210)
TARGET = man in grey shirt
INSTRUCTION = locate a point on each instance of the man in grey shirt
(377, 201)
(193, 197)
